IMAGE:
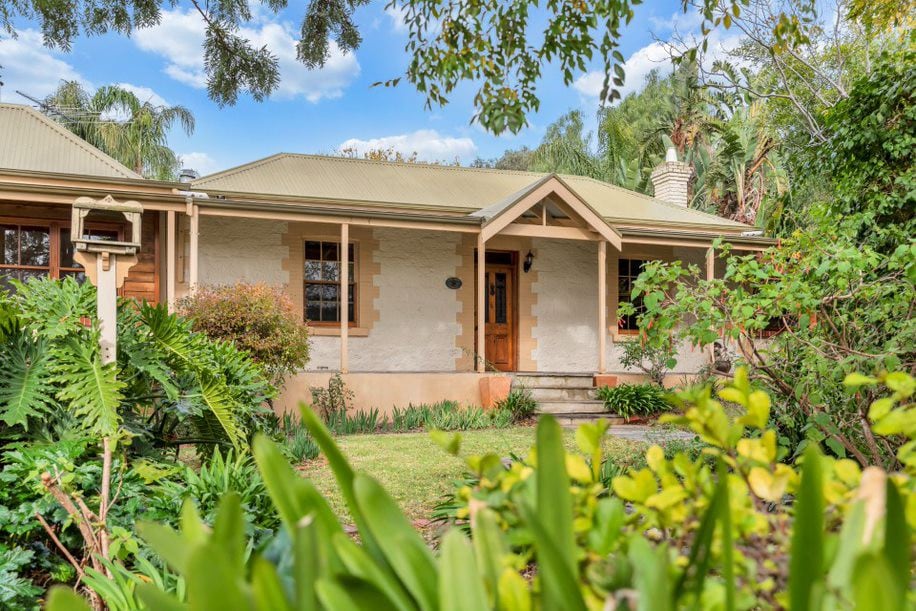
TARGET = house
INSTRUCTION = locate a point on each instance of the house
(451, 275)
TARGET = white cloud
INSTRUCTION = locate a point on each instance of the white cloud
(637, 68)
(144, 94)
(180, 35)
(202, 163)
(428, 144)
(31, 67)
(657, 55)
(398, 15)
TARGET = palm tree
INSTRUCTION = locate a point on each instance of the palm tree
(115, 120)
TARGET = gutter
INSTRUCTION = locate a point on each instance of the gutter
(741, 238)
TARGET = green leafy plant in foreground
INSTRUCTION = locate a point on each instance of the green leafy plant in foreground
(628, 400)
(698, 536)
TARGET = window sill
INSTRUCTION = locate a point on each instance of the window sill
(334, 331)
(620, 336)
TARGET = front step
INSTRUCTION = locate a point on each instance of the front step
(562, 393)
(566, 380)
(574, 420)
(571, 407)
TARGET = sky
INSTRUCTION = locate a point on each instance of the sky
(317, 111)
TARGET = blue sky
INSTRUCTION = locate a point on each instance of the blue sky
(317, 111)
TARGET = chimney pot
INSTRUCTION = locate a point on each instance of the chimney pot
(187, 175)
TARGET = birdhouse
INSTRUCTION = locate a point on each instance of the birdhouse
(87, 210)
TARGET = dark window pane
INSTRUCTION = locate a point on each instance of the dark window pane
(623, 267)
(350, 254)
(329, 251)
(500, 299)
(80, 277)
(313, 311)
(312, 292)
(350, 313)
(31, 274)
(313, 250)
(329, 292)
(35, 246)
(9, 245)
(329, 311)
(66, 250)
(313, 270)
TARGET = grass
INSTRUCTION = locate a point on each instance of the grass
(417, 472)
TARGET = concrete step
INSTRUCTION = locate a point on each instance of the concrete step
(562, 393)
(573, 420)
(571, 407)
(568, 380)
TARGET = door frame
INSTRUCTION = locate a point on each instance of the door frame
(512, 266)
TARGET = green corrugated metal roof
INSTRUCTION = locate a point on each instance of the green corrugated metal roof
(33, 142)
(431, 186)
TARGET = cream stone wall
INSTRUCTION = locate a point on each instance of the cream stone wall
(233, 250)
(566, 311)
(417, 315)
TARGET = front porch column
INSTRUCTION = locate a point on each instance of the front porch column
(480, 357)
(194, 231)
(344, 299)
(602, 306)
(710, 263)
(170, 231)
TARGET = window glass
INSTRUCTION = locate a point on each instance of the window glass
(627, 272)
(321, 289)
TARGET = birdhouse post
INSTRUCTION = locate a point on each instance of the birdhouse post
(106, 262)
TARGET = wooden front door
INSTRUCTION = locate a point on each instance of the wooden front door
(499, 317)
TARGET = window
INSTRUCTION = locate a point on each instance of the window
(30, 249)
(627, 272)
(322, 282)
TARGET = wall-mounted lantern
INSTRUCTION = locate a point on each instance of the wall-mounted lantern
(529, 259)
(106, 262)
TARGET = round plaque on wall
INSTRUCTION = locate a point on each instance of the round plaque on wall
(453, 283)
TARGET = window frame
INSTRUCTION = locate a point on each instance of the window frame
(353, 282)
(55, 227)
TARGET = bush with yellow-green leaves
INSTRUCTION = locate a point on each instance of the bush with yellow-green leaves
(736, 529)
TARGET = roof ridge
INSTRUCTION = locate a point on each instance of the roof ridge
(239, 169)
(73, 138)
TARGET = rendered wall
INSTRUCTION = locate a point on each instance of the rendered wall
(233, 250)
(417, 314)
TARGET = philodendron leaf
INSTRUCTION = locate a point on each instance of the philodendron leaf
(460, 583)
(807, 552)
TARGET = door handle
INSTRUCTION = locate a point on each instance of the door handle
(492, 289)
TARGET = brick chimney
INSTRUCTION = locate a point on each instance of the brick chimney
(671, 179)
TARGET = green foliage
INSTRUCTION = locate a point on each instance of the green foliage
(840, 306)
(653, 359)
(693, 538)
(519, 403)
(257, 318)
(870, 152)
(628, 400)
(235, 473)
(15, 592)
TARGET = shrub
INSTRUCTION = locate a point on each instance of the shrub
(697, 536)
(257, 318)
(299, 444)
(169, 385)
(628, 400)
(334, 400)
(520, 403)
(652, 359)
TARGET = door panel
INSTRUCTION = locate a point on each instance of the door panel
(499, 317)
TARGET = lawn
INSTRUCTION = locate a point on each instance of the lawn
(417, 472)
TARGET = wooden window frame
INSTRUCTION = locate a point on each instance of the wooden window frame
(54, 227)
(353, 283)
